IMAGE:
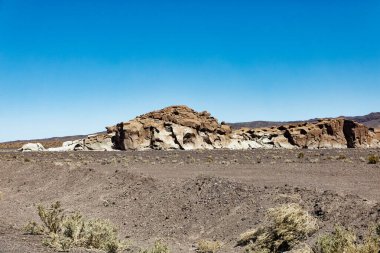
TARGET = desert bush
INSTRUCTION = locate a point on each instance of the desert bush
(209, 159)
(301, 248)
(159, 247)
(52, 217)
(63, 232)
(341, 157)
(287, 226)
(205, 246)
(301, 155)
(373, 159)
(100, 234)
(344, 241)
(32, 228)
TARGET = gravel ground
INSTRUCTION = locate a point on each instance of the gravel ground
(184, 196)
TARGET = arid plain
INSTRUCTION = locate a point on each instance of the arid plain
(182, 197)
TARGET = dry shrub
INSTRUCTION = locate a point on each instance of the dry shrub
(301, 248)
(373, 159)
(51, 217)
(288, 225)
(341, 157)
(63, 232)
(205, 246)
(344, 241)
(159, 247)
(32, 228)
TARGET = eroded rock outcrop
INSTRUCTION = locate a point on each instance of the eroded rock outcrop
(179, 127)
(32, 147)
(175, 127)
(326, 133)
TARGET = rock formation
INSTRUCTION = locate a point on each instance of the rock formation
(175, 127)
(32, 147)
(326, 133)
(180, 127)
(95, 142)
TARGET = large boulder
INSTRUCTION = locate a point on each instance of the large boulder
(94, 142)
(32, 147)
(175, 127)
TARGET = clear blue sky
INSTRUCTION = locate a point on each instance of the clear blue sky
(75, 66)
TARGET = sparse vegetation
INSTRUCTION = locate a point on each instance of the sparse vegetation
(32, 228)
(301, 155)
(343, 240)
(205, 246)
(209, 159)
(373, 159)
(341, 157)
(159, 247)
(63, 232)
(288, 225)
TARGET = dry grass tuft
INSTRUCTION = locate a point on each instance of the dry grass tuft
(159, 247)
(63, 232)
(373, 159)
(205, 246)
(344, 241)
(300, 155)
(301, 248)
(32, 228)
(288, 225)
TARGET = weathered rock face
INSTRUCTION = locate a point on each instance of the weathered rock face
(176, 127)
(329, 133)
(179, 127)
(96, 142)
(32, 147)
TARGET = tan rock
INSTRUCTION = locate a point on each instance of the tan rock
(180, 127)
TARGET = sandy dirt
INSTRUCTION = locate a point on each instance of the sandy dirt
(184, 196)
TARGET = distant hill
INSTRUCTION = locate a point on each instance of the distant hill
(369, 120)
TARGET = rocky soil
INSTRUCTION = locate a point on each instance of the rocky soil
(184, 196)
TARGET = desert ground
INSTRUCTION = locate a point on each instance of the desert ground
(182, 197)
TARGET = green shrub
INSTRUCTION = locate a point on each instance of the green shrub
(373, 159)
(288, 225)
(301, 155)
